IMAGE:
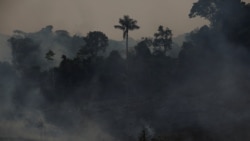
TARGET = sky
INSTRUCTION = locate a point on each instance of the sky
(82, 16)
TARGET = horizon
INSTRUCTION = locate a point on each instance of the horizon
(79, 17)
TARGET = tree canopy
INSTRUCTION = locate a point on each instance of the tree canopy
(94, 42)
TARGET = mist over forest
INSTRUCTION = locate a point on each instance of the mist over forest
(55, 86)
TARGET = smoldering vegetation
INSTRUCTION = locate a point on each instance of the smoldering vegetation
(63, 87)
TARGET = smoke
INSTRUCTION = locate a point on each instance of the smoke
(214, 100)
(212, 95)
(30, 124)
(24, 114)
(45, 40)
(5, 50)
(203, 94)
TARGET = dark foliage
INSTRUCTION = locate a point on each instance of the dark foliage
(201, 95)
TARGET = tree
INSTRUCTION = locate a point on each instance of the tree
(49, 55)
(217, 11)
(142, 48)
(95, 41)
(229, 18)
(127, 24)
(162, 40)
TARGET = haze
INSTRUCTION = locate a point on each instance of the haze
(56, 87)
(81, 16)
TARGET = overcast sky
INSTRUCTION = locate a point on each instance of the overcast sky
(81, 16)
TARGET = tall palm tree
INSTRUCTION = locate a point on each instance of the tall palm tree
(126, 24)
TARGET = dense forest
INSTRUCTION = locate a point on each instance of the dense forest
(64, 87)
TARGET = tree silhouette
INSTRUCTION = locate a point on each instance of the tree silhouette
(218, 12)
(49, 55)
(95, 41)
(126, 24)
(230, 18)
(142, 48)
(162, 39)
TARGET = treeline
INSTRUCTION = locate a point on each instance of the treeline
(211, 72)
(146, 70)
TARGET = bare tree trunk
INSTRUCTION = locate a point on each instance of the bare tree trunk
(127, 45)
